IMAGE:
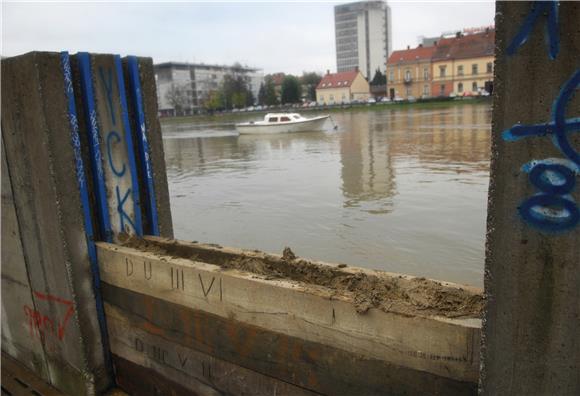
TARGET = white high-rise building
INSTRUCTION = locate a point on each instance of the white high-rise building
(363, 36)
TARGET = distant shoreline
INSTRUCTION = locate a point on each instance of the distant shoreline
(427, 104)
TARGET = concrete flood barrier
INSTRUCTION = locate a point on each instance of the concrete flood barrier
(88, 302)
(93, 293)
(532, 270)
(200, 312)
(52, 313)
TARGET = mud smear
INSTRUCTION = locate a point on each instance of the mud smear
(367, 289)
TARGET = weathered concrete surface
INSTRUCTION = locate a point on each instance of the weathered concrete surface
(395, 352)
(116, 142)
(531, 342)
(156, 153)
(17, 304)
(40, 160)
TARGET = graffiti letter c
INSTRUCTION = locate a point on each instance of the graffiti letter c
(110, 136)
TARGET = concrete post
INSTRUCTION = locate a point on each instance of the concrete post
(83, 161)
(40, 155)
(531, 340)
(148, 89)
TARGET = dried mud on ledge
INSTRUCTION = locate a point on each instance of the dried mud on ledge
(400, 294)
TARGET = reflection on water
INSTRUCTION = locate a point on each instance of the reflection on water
(397, 190)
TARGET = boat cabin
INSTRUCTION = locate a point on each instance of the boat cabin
(272, 118)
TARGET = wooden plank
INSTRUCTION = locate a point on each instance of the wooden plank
(442, 347)
(20, 381)
(310, 365)
(140, 380)
(189, 368)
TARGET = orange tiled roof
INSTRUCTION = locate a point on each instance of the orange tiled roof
(411, 55)
(470, 46)
(337, 80)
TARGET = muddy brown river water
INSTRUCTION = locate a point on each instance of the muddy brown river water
(400, 190)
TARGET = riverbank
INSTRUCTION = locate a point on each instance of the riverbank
(231, 116)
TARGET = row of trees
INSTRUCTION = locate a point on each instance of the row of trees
(234, 92)
(290, 91)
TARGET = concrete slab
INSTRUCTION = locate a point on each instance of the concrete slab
(531, 328)
(40, 156)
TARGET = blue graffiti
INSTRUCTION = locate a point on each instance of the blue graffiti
(560, 124)
(121, 210)
(114, 135)
(108, 84)
(559, 128)
(113, 138)
(550, 213)
(553, 178)
(553, 209)
(553, 36)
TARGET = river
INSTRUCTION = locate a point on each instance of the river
(399, 190)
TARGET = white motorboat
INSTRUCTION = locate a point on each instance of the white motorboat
(282, 123)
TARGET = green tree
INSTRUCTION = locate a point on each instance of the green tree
(213, 101)
(310, 80)
(177, 98)
(262, 94)
(235, 91)
(250, 99)
(238, 99)
(379, 78)
(270, 97)
(291, 90)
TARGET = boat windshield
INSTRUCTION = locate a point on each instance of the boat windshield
(282, 119)
(296, 117)
(273, 119)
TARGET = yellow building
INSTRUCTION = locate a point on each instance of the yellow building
(343, 87)
(409, 73)
(463, 65)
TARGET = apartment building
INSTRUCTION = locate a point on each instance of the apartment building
(342, 87)
(363, 36)
(409, 73)
(194, 83)
(463, 65)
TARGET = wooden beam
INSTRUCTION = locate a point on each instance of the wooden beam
(440, 346)
(314, 366)
(189, 368)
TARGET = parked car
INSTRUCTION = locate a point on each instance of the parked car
(411, 99)
(385, 100)
(371, 101)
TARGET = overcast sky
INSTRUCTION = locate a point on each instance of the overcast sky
(276, 36)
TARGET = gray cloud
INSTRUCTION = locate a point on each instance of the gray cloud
(276, 36)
